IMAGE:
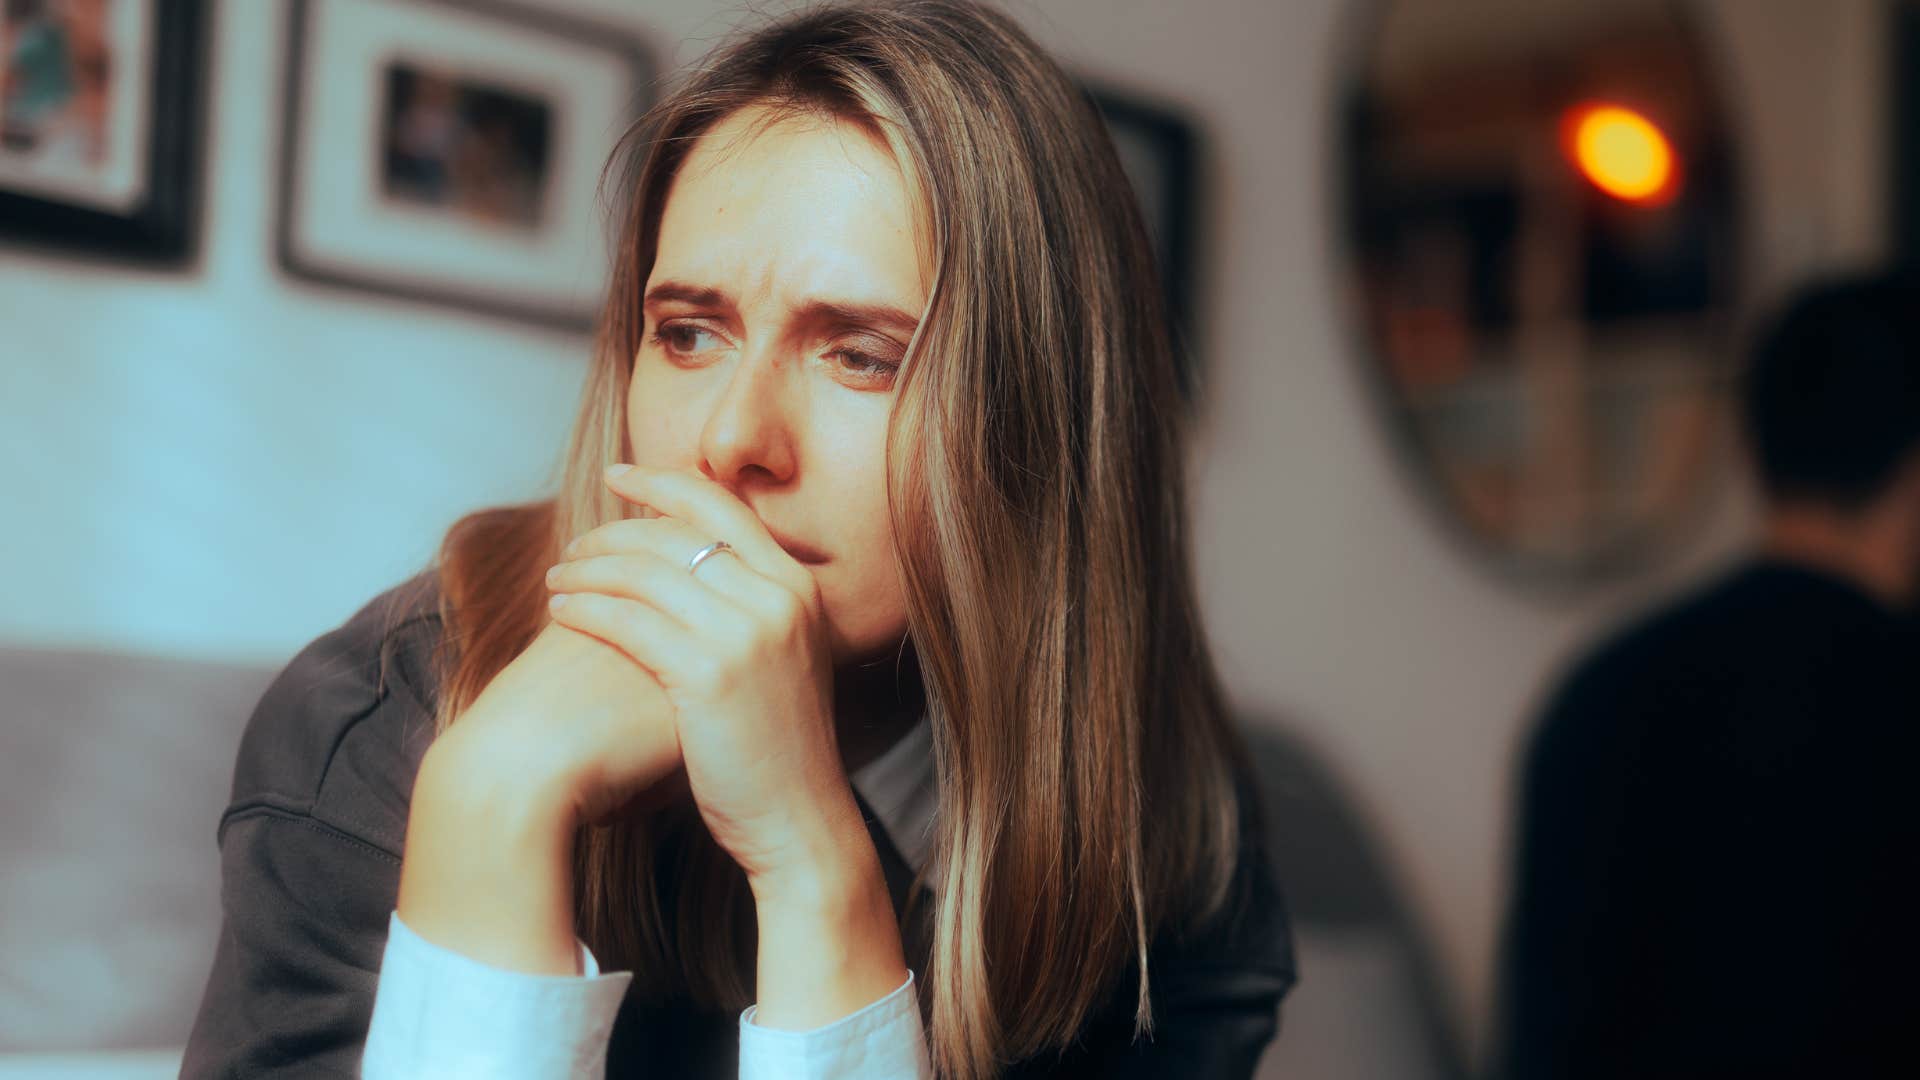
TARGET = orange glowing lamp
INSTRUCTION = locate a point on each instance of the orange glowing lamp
(1623, 154)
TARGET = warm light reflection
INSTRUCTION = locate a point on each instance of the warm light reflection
(1623, 153)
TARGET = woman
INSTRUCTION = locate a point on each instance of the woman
(855, 673)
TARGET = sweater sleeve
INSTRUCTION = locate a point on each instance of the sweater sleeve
(291, 989)
(309, 852)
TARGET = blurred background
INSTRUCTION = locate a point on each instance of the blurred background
(286, 288)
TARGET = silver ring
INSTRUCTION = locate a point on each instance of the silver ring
(705, 553)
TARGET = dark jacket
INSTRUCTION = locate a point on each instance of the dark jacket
(1718, 824)
(310, 849)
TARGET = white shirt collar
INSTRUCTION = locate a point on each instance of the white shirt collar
(900, 787)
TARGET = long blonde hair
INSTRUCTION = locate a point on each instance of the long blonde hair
(1086, 770)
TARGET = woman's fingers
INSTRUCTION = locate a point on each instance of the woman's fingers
(695, 602)
(645, 633)
(708, 508)
(670, 544)
(671, 540)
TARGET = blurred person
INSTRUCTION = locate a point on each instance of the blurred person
(863, 723)
(1717, 818)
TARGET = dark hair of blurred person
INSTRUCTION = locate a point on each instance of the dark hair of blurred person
(1715, 823)
(1833, 414)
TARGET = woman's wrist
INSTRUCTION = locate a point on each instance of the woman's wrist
(487, 870)
(524, 784)
(827, 848)
(541, 768)
(829, 937)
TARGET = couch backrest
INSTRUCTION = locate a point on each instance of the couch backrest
(113, 772)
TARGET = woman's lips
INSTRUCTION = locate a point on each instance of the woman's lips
(797, 549)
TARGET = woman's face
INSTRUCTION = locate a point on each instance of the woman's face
(785, 289)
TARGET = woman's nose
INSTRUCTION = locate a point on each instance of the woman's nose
(750, 428)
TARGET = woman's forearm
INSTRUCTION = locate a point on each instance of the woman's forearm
(488, 873)
(488, 870)
(829, 939)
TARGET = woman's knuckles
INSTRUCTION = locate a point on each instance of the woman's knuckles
(726, 667)
(781, 614)
(705, 676)
(570, 712)
(632, 575)
(659, 535)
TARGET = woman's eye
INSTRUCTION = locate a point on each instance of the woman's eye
(682, 338)
(863, 367)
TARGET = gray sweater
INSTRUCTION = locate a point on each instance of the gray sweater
(310, 848)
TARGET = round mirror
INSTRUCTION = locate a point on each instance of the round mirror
(1541, 221)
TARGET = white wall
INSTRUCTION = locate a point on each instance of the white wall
(225, 462)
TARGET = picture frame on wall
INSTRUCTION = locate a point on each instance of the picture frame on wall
(1159, 147)
(101, 111)
(454, 153)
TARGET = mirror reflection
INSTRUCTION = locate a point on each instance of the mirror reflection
(1542, 231)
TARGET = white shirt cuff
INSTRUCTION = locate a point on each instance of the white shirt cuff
(882, 1040)
(438, 1013)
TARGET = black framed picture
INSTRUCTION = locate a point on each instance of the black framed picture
(451, 152)
(1159, 148)
(101, 110)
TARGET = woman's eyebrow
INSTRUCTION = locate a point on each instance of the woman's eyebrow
(835, 311)
(687, 294)
(884, 316)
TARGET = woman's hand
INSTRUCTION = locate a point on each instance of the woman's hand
(740, 648)
(570, 731)
(573, 712)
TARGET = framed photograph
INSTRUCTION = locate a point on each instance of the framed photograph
(451, 152)
(1159, 148)
(100, 117)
